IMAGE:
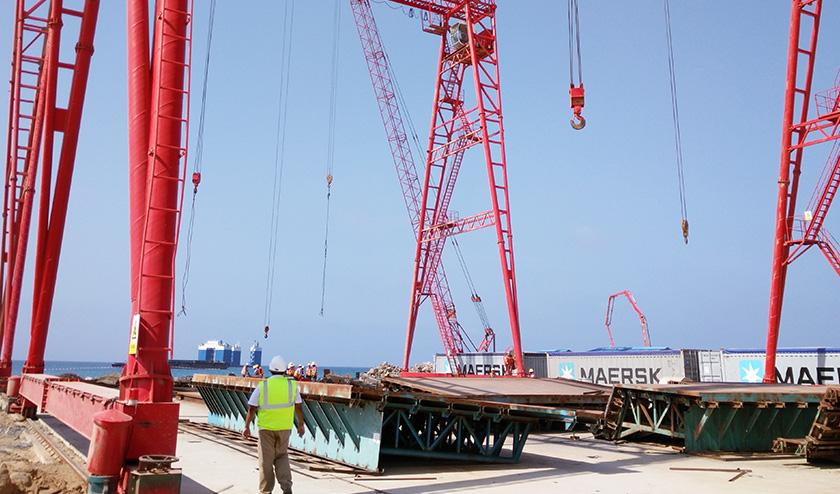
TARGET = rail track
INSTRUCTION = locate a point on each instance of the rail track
(57, 450)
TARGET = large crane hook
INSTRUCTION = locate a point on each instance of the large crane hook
(577, 101)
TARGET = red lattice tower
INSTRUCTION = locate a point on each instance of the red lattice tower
(468, 63)
(794, 236)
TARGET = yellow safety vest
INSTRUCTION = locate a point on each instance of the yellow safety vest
(276, 411)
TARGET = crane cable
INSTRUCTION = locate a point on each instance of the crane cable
(197, 161)
(331, 144)
(576, 92)
(279, 157)
(675, 115)
(476, 299)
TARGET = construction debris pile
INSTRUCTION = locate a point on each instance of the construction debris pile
(386, 369)
(26, 467)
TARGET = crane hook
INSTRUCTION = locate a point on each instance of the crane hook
(577, 98)
(684, 225)
(577, 122)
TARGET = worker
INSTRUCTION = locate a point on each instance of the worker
(290, 369)
(246, 372)
(531, 373)
(313, 371)
(510, 364)
(276, 403)
(299, 373)
(258, 371)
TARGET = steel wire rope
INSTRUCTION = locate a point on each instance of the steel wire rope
(476, 299)
(675, 116)
(331, 143)
(574, 43)
(198, 159)
(279, 156)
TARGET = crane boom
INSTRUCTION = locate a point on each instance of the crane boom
(611, 307)
(398, 141)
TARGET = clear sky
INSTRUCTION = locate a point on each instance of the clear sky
(593, 212)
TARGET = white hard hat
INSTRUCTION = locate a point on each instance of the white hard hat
(278, 364)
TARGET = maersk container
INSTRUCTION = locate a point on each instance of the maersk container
(491, 363)
(793, 365)
(621, 365)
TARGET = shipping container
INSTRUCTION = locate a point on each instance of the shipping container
(793, 365)
(619, 365)
(642, 365)
(492, 363)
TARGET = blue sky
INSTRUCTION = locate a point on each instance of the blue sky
(593, 212)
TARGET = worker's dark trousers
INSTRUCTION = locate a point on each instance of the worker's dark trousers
(274, 461)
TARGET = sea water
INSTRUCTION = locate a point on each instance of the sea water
(99, 369)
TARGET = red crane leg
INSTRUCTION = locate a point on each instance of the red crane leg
(489, 98)
(797, 94)
(139, 98)
(39, 126)
(147, 377)
(46, 161)
(24, 82)
(48, 257)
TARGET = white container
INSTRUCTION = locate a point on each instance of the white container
(793, 365)
(629, 366)
(485, 364)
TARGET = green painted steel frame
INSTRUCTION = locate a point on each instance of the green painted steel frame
(431, 434)
(735, 424)
(356, 430)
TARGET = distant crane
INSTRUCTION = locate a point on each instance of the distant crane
(642, 318)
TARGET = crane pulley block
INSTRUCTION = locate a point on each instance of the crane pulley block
(576, 98)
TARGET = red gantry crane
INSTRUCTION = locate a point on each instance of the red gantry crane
(393, 118)
(611, 307)
(468, 56)
(158, 88)
(795, 235)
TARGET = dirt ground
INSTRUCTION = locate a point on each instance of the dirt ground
(26, 466)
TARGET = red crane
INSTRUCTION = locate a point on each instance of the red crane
(793, 237)
(393, 119)
(158, 82)
(642, 319)
(468, 56)
(35, 121)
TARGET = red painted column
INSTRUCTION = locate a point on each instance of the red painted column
(49, 259)
(41, 125)
(139, 96)
(783, 222)
(9, 192)
(46, 160)
(147, 377)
